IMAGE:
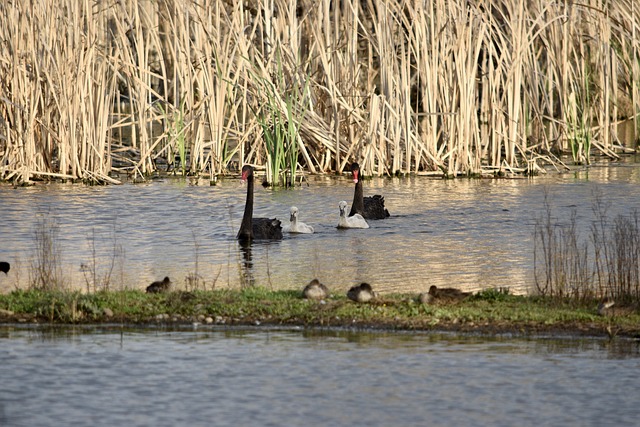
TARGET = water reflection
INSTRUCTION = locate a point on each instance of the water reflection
(465, 233)
(310, 377)
(408, 341)
(247, 264)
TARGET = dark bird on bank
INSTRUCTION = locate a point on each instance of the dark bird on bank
(5, 267)
(444, 294)
(608, 307)
(256, 228)
(605, 307)
(159, 286)
(361, 293)
(370, 207)
(315, 290)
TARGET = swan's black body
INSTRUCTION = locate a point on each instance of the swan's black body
(256, 228)
(371, 207)
(5, 267)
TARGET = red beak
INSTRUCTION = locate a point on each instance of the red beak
(355, 176)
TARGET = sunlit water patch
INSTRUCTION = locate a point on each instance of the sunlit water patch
(465, 233)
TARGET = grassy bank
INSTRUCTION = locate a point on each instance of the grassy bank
(489, 312)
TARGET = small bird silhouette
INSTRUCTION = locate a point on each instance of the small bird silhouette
(159, 286)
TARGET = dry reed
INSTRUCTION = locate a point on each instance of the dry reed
(605, 264)
(461, 87)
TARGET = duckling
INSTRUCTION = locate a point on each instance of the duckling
(159, 286)
(605, 308)
(444, 294)
(361, 293)
(608, 307)
(426, 298)
(315, 290)
(5, 267)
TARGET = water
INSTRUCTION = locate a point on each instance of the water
(105, 377)
(466, 233)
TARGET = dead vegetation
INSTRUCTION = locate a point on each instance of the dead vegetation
(89, 89)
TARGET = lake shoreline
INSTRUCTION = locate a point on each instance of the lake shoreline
(489, 314)
(534, 331)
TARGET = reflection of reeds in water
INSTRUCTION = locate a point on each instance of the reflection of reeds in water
(451, 86)
(605, 264)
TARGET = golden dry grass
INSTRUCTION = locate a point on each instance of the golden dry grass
(455, 87)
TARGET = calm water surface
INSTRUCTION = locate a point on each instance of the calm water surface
(110, 377)
(468, 233)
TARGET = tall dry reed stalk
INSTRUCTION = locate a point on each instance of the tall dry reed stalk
(458, 87)
(97, 276)
(607, 263)
(46, 267)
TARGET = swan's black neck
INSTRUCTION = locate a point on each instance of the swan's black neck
(246, 227)
(358, 200)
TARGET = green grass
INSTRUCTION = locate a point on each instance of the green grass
(487, 312)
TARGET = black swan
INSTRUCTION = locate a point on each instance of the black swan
(256, 228)
(5, 267)
(315, 290)
(355, 221)
(159, 286)
(361, 293)
(371, 207)
(296, 226)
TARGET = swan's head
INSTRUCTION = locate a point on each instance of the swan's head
(343, 208)
(355, 171)
(293, 214)
(247, 171)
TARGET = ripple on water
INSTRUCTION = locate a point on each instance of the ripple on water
(465, 233)
(280, 377)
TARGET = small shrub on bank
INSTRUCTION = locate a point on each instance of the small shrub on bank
(606, 264)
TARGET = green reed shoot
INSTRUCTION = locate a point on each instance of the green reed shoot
(279, 119)
(579, 122)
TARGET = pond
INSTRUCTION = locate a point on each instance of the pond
(468, 233)
(106, 376)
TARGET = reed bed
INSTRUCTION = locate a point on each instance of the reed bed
(89, 88)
